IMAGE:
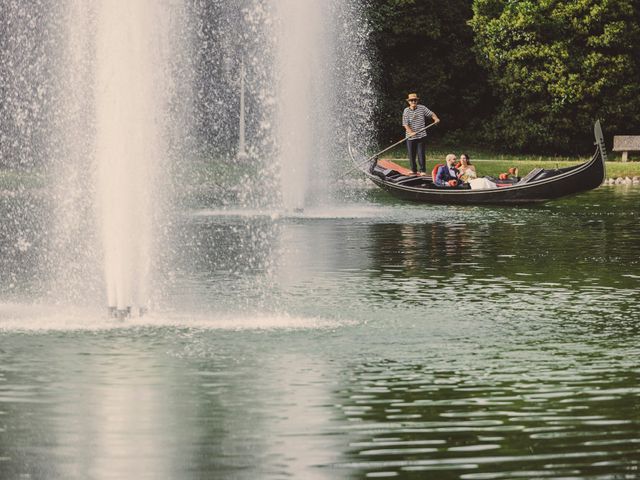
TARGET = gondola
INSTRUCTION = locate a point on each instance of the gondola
(539, 185)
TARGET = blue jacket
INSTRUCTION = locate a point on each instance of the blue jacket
(443, 175)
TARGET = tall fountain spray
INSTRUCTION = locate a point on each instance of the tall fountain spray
(242, 141)
(128, 142)
(307, 81)
(292, 67)
(302, 77)
(118, 106)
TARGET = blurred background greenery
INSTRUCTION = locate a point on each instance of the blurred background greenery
(526, 76)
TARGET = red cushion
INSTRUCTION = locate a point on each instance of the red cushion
(434, 172)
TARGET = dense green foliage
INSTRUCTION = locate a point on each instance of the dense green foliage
(557, 65)
(426, 46)
(528, 75)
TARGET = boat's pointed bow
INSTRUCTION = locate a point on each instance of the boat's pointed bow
(597, 132)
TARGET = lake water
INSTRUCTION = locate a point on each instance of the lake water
(372, 340)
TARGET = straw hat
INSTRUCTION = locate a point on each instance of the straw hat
(413, 96)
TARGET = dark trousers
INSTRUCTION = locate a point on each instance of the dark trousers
(416, 148)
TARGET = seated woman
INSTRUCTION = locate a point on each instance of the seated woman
(467, 171)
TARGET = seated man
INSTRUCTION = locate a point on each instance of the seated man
(447, 175)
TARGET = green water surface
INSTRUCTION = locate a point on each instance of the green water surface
(373, 340)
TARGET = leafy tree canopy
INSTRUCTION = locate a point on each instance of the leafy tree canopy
(556, 66)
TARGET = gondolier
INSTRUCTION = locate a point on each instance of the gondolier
(414, 121)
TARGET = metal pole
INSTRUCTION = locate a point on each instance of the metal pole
(242, 154)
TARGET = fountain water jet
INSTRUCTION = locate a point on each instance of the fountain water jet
(301, 81)
(322, 71)
(131, 89)
(128, 141)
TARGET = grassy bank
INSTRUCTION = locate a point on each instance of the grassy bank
(216, 173)
(20, 179)
(491, 163)
(495, 167)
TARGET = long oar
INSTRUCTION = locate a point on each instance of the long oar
(375, 155)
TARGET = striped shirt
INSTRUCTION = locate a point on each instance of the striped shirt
(416, 119)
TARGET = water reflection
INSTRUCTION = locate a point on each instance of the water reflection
(544, 418)
(168, 403)
(183, 403)
(77, 408)
(498, 248)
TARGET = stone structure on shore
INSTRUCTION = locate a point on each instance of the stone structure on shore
(622, 181)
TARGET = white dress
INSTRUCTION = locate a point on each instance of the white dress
(481, 184)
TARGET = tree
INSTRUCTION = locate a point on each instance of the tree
(426, 46)
(558, 65)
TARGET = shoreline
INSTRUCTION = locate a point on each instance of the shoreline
(622, 181)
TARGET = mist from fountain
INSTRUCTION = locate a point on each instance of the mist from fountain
(308, 81)
(324, 90)
(125, 104)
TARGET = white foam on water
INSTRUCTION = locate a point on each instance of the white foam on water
(320, 212)
(51, 318)
(400, 212)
